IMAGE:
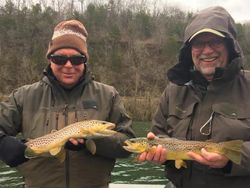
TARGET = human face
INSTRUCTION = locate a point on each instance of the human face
(208, 52)
(68, 75)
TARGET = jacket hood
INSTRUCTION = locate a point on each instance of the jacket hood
(216, 18)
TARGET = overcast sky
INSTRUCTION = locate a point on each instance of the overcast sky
(239, 9)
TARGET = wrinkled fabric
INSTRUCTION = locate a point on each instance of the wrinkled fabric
(37, 109)
(189, 101)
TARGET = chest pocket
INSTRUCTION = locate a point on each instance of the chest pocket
(231, 111)
(230, 122)
(179, 119)
(89, 110)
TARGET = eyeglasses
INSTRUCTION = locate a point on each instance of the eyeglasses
(212, 43)
(63, 59)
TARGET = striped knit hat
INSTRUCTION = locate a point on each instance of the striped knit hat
(69, 34)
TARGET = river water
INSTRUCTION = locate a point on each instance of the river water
(126, 170)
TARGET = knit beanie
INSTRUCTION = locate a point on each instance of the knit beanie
(69, 34)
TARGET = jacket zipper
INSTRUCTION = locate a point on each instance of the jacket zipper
(57, 118)
(65, 113)
(189, 134)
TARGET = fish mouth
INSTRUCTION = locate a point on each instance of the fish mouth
(127, 142)
(106, 129)
(110, 126)
(130, 146)
(129, 149)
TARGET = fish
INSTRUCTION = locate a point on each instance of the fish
(177, 149)
(53, 143)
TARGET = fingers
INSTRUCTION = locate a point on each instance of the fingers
(160, 154)
(76, 141)
(150, 136)
(216, 160)
(198, 158)
(80, 140)
(151, 153)
(157, 155)
(211, 159)
(142, 157)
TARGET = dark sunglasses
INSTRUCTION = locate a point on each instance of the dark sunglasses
(63, 59)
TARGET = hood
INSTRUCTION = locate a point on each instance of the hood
(216, 18)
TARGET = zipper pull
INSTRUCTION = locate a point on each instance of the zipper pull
(65, 109)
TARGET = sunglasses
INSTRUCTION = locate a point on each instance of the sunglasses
(63, 59)
(213, 43)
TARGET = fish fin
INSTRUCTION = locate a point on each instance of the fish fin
(53, 130)
(55, 151)
(180, 163)
(232, 150)
(29, 153)
(61, 155)
(91, 146)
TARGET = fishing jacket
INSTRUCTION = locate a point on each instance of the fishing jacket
(37, 109)
(191, 108)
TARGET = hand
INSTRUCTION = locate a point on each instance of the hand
(213, 160)
(158, 154)
(75, 144)
(12, 151)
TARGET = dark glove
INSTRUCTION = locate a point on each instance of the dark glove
(73, 147)
(12, 151)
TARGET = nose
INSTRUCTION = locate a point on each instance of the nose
(68, 64)
(207, 48)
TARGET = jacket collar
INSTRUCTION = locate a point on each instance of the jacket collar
(181, 75)
(50, 79)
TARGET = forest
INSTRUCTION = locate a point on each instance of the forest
(131, 45)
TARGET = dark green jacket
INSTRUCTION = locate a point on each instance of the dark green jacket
(37, 109)
(189, 101)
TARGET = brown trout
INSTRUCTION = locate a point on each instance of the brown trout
(53, 143)
(177, 149)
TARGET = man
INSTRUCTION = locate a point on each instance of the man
(66, 94)
(207, 99)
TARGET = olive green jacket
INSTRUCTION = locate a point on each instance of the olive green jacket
(37, 109)
(193, 109)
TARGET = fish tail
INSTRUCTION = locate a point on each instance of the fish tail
(232, 150)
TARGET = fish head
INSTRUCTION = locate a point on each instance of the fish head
(137, 145)
(101, 128)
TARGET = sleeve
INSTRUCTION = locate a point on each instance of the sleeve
(10, 115)
(111, 147)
